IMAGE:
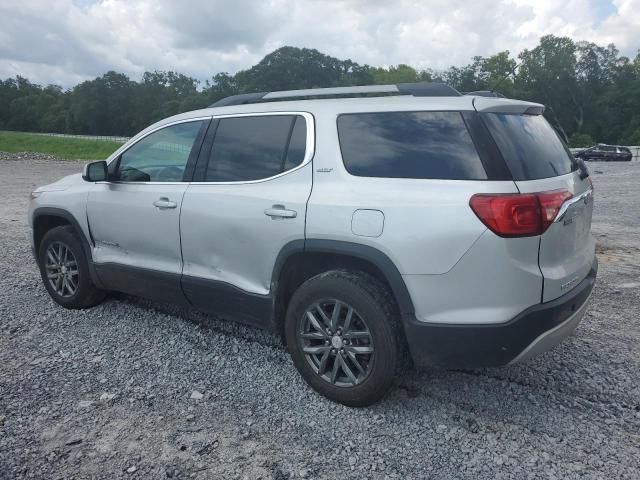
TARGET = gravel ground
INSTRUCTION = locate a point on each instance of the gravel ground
(131, 389)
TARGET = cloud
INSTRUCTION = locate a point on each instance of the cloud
(66, 41)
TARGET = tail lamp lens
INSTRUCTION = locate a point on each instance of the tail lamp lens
(518, 215)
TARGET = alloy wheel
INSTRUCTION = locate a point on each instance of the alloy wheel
(62, 269)
(337, 343)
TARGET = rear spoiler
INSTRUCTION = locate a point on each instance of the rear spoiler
(504, 105)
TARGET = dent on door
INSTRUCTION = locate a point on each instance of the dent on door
(137, 225)
(232, 233)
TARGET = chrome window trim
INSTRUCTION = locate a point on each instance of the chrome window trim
(308, 154)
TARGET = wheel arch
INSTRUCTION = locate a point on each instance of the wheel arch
(299, 260)
(46, 218)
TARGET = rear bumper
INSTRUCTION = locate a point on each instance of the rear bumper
(533, 331)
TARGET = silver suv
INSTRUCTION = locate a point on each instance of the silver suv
(369, 226)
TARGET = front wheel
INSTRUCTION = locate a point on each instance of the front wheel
(343, 335)
(65, 270)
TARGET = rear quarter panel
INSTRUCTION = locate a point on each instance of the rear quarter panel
(428, 224)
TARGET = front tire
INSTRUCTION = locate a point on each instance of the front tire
(65, 270)
(344, 337)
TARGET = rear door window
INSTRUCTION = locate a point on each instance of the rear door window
(426, 145)
(256, 147)
(530, 146)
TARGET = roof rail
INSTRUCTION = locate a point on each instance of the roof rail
(485, 93)
(421, 89)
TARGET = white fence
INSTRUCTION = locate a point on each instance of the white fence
(86, 137)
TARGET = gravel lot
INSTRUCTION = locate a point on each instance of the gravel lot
(131, 389)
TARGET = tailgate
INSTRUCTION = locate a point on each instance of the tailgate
(567, 247)
(540, 162)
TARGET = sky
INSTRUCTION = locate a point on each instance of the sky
(67, 41)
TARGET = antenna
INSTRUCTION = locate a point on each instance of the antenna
(511, 72)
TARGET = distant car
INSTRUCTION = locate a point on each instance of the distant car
(605, 153)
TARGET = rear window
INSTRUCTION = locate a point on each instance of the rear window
(530, 146)
(428, 145)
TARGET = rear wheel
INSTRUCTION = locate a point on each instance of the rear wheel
(65, 270)
(342, 331)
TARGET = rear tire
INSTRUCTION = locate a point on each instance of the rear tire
(64, 269)
(352, 356)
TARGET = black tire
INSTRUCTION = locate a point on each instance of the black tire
(376, 306)
(86, 294)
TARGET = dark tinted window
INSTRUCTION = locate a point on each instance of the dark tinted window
(160, 156)
(253, 148)
(531, 148)
(409, 145)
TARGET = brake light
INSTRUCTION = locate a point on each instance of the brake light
(518, 214)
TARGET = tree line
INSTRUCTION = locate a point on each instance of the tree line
(591, 92)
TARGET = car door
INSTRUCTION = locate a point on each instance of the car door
(250, 201)
(134, 217)
(597, 154)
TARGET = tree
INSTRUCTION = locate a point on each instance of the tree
(400, 74)
(102, 106)
(547, 74)
(578, 140)
(490, 73)
(289, 68)
(590, 92)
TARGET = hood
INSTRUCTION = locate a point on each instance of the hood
(62, 184)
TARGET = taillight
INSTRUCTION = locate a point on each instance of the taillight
(550, 202)
(518, 214)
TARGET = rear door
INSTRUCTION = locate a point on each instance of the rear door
(540, 162)
(248, 201)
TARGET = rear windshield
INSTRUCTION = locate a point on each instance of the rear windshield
(530, 146)
(433, 145)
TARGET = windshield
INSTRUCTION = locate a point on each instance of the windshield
(530, 146)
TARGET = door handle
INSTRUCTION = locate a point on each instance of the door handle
(279, 211)
(164, 203)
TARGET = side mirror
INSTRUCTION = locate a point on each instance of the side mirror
(95, 172)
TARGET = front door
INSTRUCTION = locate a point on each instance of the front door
(135, 217)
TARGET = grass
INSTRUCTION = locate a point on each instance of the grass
(61, 147)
